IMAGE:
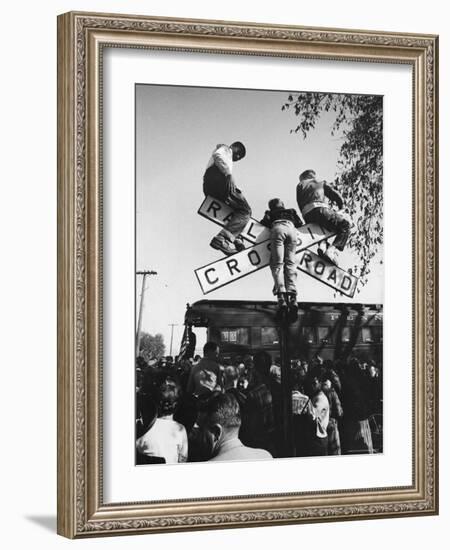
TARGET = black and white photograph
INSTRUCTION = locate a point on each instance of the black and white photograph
(259, 274)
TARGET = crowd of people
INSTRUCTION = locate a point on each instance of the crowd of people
(203, 409)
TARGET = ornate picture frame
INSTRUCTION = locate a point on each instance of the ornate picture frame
(82, 38)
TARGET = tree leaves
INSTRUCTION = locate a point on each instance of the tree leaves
(152, 346)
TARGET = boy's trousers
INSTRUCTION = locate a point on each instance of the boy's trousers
(283, 263)
(333, 221)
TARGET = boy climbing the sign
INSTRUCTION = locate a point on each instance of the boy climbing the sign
(283, 244)
(218, 182)
(311, 200)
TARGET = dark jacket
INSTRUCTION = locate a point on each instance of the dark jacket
(278, 214)
(311, 194)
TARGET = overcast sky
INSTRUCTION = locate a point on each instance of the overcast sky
(177, 128)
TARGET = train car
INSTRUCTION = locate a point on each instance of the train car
(331, 330)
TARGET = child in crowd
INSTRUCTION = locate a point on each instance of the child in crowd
(166, 438)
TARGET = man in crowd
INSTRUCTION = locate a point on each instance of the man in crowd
(258, 425)
(336, 412)
(221, 422)
(205, 376)
(318, 444)
(218, 182)
(356, 404)
(311, 194)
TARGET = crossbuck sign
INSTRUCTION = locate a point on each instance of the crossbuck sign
(231, 268)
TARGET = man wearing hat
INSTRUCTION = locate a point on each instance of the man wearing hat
(311, 195)
(218, 182)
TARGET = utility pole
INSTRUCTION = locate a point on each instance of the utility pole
(171, 337)
(286, 388)
(141, 307)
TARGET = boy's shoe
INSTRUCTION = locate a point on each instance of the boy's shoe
(331, 254)
(282, 299)
(282, 310)
(222, 244)
(292, 299)
(239, 244)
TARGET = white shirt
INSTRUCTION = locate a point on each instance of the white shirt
(166, 438)
(222, 157)
(234, 449)
(321, 408)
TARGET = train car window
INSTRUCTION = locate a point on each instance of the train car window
(235, 336)
(377, 334)
(366, 335)
(346, 334)
(324, 335)
(269, 336)
(308, 335)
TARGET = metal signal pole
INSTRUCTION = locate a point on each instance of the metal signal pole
(141, 308)
(286, 388)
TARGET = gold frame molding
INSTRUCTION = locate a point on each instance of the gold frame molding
(81, 37)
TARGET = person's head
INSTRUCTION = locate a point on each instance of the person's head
(238, 150)
(307, 175)
(274, 204)
(313, 385)
(275, 371)
(220, 418)
(318, 361)
(302, 372)
(167, 394)
(241, 369)
(231, 376)
(211, 350)
(333, 376)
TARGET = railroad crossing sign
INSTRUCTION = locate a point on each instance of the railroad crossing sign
(231, 268)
